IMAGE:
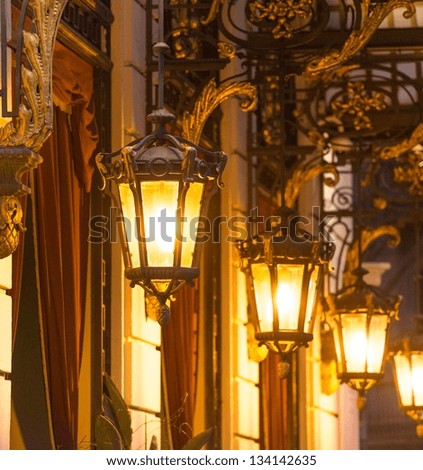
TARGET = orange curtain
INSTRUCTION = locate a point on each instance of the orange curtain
(179, 348)
(61, 200)
(274, 415)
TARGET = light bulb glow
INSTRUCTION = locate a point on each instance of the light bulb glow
(160, 203)
(364, 345)
(289, 296)
(409, 374)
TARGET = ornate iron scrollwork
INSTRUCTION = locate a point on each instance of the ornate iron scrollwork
(368, 16)
(24, 134)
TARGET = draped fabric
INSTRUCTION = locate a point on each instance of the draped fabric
(61, 200)
(274, 414)
(179, 348)
(17, 268)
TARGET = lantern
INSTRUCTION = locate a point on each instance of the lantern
(161, 189)
(284, 271)
(407, 355)
(360, 325)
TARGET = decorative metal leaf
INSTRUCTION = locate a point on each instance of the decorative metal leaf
(370, 16)
(107, 437)
(199, 441)
(210, 98)
(120, 411)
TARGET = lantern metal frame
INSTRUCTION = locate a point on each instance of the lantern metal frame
(161, 156)
(361, 299)
(286, 244)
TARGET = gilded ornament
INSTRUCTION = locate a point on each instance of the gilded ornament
(411, 173)
(214, 10)
(226, 50)
(302, 175)
(357, 103)
(10, 224)
(368, 236)
(281, 12)
(405, 145)
(380, 203)
(35, 117)
(370, 16)
(256, 352)
(210, 98)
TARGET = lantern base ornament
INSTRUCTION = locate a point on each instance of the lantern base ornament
(14, 162)
(156, 309)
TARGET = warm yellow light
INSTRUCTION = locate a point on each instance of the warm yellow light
(311, 299)
(190, 224)
(129, 221)
(263, 295)
(364, 342)
(409, 372)
(289, 296)
(417, 378)
(160, 203)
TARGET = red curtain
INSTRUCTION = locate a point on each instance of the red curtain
(61, 200)
(179, 348)
(274, 414)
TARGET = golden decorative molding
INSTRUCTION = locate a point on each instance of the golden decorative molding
(303, 175)
(405, 145)
(256, 352)
(214, 10)
(281, 13)
(210, 98)
(10, 224)
(371, 16)
(35, 119)
(226, 50)
(368, 236)
(411, 173)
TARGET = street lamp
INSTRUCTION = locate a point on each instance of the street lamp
(284, 269)
(407, 355)
(360, 324)
(161, 185)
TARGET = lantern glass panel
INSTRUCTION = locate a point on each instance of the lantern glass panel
(129, 215)
(404, 379)
(311, 299)
(364, 345)
(288, 295)
(338, 350)
(263, 295)
(377, 341)
(354, 341)
(160, 204)
(190, 223)
(417, 377)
